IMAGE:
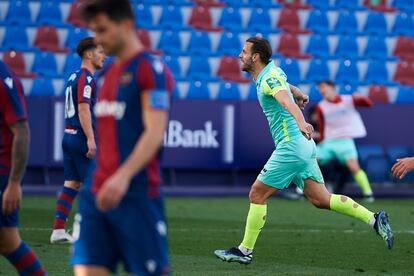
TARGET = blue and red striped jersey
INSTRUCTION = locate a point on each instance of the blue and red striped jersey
(12, 110)
(119, 118)
(80, 88)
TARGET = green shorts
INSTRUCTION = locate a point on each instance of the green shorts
(341, 149)
(292, 161)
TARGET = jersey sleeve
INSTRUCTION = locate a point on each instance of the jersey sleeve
(12, 103)
(273, 84)
(85, 88)
(155, 78)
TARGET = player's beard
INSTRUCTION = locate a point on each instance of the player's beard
(247, 65)
(114, 48)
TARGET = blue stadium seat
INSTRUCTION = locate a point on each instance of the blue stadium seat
(199, 68)
(230, 19)
(50, 14)
(45, 64)
(347, 72)
(396, 152)
(143, 16)
(252, 95)
(348, 88)
(376, 47)
(404, 5)
(349, 5)
(198, 90)
(318, 46)
(176, 93)
(16, 38)
(403, 24)
(171, 17)
(229, 44)
(376, 23)
(200, 43)
(228, 91)
(314, 95)
(377, 73)
(19, 13)
(405, 95)
(318, 21)
(42, 87)
(74, 36)
(170, 42)
(318, 71)
(72, 63)
(378, 169)
(347, 22)
(347, 47)
(319, 4)
(367, 151)
(174, 65)
(260, 21)
(265, 4)
(292, 70)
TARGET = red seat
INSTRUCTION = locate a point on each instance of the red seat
(404, 48)
(289, 46)
(295, 4)
(405, 73)
(229, 69)
(378, 94)
(73, 17)
(209, 3)
(380, 7)
(289, 21)
(145, 38)
(16, 62)
(201, 19)
(47, 39)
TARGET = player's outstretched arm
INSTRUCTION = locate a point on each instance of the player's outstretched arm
(285, 100)
(85, 119)
(402, 167)
(301, 99)
(20, 152)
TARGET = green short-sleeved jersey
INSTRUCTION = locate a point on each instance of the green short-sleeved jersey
(270, 81)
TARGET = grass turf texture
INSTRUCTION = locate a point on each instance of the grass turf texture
(297, 239)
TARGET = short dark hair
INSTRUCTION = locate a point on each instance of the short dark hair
(116, 10)
(328, 82)
(262, 47)
(86, 44)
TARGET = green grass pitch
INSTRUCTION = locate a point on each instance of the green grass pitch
(297, 239)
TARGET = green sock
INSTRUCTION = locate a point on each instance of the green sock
(254, 224)
(347, 206)
(362, 181)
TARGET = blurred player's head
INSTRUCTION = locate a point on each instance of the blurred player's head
(256, 52)
(89, 50)
(327, 89)
(112, 21)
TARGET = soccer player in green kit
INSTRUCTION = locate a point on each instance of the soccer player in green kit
(293, 160)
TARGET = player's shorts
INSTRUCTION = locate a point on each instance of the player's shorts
(292, 161)
(341, 149)
(134, 233)
(75, 162)
(11, 220)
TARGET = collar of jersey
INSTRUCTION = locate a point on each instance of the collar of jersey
(264, 71)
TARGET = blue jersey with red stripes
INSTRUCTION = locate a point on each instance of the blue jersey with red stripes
(12, 110)
(119, 118)
(80, 88)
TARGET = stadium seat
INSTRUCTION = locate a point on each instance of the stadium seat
(405, 73)
(228, 91)
(379, 6)
(229, 44)
(45, 64)
(347, 47)
(260, 21)
(318, 46)
(229, 69)
(347, 88)
(265, 4)
(347, 72)
(174, 65)
(143, 16)
(378, 169)
(346, 23)
(397, 152)
(198, 91)
(378, 94)
(404, 48)
(19, 13)
(199, 68)
(17, 63)
(201, 19)
(72, 63)
(170, 42)
(319, 4)
(404, 5)
(199, 43)
(405, 95)
(351, 5)
(74, 36)
(403, 24)
(50, 14)
(289, 47)
(318, 22)
(171, 17)
(210, 3)
(289, 22)
(376, 48)
(367, 151)
(47, 39)
(73, 17)
(294, 4)
(252, 95)
(42, 87)
(230, 19)
(377, 73)
(145, 38)
(376, 23)
(314, 95)
(292, 70)
(318, 70)
(16, 38)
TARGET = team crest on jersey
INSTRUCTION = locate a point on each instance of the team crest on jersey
(89, 79)
(273, 82)
(125, 78)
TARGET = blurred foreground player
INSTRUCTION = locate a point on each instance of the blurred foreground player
(121, 207)
(14, 152)
(293, 160)
(78, 144)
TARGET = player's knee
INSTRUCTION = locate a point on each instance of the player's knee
(256, 197)
(319, 203)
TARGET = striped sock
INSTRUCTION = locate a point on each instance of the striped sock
(63, 207)
(25, 261)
